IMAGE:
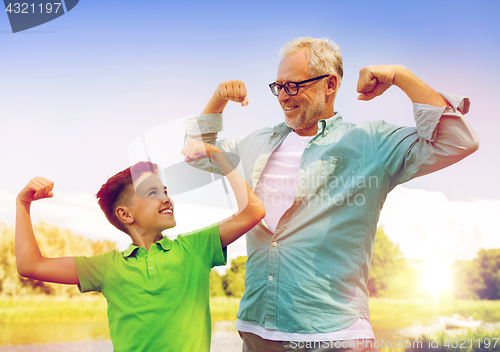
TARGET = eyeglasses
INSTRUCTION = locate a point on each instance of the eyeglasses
(291, 88)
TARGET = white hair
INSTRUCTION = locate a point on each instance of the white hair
(325, 56)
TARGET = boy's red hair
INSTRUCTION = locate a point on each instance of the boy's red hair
(119, 190)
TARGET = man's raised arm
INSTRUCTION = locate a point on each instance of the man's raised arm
(375, 80)
(206, 126)
(444, 135)
(230, 90)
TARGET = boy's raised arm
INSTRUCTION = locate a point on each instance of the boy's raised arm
(30, 262)
(250, 208)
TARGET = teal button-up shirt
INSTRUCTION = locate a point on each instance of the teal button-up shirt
(311, 274)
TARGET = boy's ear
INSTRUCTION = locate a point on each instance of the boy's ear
(124, 216)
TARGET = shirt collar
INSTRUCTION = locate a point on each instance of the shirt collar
(328, 124)
(165, 243)
(281, 128)
(323, 125)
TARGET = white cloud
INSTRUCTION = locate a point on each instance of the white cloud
(429, 227)
(76, 211)
(80, 213)
(425, 224)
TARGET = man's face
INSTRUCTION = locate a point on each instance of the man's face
(304, 110)
(152, 209)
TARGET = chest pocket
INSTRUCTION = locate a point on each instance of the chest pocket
(333, 178)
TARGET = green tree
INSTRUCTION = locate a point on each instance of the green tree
(391, 275)
(234, 280)
(489, 262)
(467, 280)
(216, 288)
(9, 279)
(53, 242)
(478, 278)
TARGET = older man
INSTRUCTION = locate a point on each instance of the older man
(324, 182)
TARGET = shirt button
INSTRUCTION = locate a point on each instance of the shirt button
(271, 278)
(150, 259)
(151, 268)
(275, 244)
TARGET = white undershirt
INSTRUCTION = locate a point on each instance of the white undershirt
(361, 329)
(277, 183)
(276, 190)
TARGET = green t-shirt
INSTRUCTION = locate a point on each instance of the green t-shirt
(157, 300)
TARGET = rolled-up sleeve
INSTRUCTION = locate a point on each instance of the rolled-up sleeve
(204, 126)
(443, 137)
(427, 117)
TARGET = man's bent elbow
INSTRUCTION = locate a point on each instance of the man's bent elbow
(466, 143)
(473, 144)
(468, 146)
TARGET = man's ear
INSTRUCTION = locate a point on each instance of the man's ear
(122, 213)
(332, 85)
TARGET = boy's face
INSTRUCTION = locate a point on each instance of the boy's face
(151, 208)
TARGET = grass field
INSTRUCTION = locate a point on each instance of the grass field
(390, 314)
(386, 314)
(52, 309)
(84, 308)
(87, 313)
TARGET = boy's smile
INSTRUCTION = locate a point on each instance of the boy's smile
(152, 208)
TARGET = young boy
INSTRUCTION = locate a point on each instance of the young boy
(157, 290)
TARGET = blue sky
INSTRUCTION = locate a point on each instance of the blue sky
(95, 77)
(75, 92)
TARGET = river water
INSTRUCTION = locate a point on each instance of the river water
(94, 337)
(88, 337)
(219, 344)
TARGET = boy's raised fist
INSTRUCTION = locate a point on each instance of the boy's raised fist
(196, 150)
(37, 188)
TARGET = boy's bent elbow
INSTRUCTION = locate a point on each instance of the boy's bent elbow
(259, 211)
(25, 272)
(259, 214)
(262, 213)
(254, 214)
(27, 269)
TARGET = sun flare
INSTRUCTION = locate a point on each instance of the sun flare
(436, 279)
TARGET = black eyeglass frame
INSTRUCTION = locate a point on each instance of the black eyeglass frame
(285, 86)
